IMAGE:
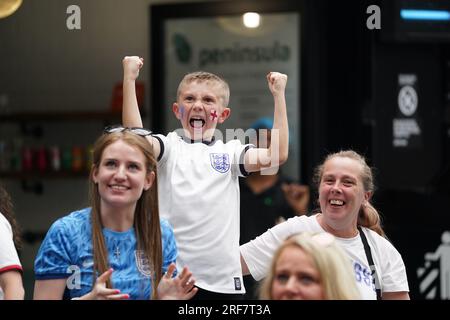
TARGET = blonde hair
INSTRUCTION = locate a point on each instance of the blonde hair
(146, 219)
(202, 76)
(368, 216)
(336, 275)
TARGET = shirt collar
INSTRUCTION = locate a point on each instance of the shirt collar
(208, 143)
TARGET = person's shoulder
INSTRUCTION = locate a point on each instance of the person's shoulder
(233, 141)
(379, 240)
(167, 234)
(77, 216)
(165, 225)
(5, 226)
(72, 222)
(300, 220)
(171, 136)
(233, 145)
(4, 222)
(304, 218)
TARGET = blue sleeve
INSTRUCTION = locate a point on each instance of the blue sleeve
(169, 246)
(53, 260)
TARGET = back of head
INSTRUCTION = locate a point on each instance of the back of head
(332, 263)
(368, 216)
(6, 208)
(209, 78)
(146, 219)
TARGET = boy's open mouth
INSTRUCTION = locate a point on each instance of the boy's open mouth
(197, 123)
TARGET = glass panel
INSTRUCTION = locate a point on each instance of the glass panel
(243, 57)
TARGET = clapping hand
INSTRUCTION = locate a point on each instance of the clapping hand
(100, 292)
(178, 288)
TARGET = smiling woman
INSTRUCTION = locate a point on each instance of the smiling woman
(121, 237)
(345, 184)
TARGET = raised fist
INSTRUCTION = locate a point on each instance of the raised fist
(277, 82)
(131, 67)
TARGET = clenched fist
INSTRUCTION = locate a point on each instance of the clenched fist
(131, 67)
(277, 82)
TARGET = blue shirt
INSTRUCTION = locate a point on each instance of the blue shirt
(66, 253)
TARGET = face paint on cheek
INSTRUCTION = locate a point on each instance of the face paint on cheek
(213, 115)
(182, 112)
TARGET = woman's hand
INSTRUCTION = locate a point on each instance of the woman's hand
(179, 288)
(100, 292)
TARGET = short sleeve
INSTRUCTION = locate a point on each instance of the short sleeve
(53, 260)
(394, 278)
(9, 259)
(169, 245)
(238, 161)
(164, 148)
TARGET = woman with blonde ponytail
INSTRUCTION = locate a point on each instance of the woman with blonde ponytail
(345, 187)
(119, 248)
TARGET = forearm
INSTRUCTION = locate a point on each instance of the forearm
(130, 114)
(280, 133)
(402, 295)
(49, 289)
(14, 293)
(11, 284)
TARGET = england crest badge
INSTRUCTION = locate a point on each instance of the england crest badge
(142, 263)
(220, 161)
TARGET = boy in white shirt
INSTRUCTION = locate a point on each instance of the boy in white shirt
(198, 175)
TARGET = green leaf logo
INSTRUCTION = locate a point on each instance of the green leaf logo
(183, 49)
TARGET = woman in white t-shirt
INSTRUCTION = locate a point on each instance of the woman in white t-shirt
(11, 286)
(345, 185)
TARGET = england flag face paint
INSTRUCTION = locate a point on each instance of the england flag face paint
(213, 115)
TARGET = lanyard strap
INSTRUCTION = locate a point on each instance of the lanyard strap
(371, 263)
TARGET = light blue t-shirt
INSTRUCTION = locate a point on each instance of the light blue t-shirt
(66, 253)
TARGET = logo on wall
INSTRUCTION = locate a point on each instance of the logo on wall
(434, 277)
(406, 128)
(407, 100)
(183, 49)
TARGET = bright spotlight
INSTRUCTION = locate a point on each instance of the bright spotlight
(251, 19)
